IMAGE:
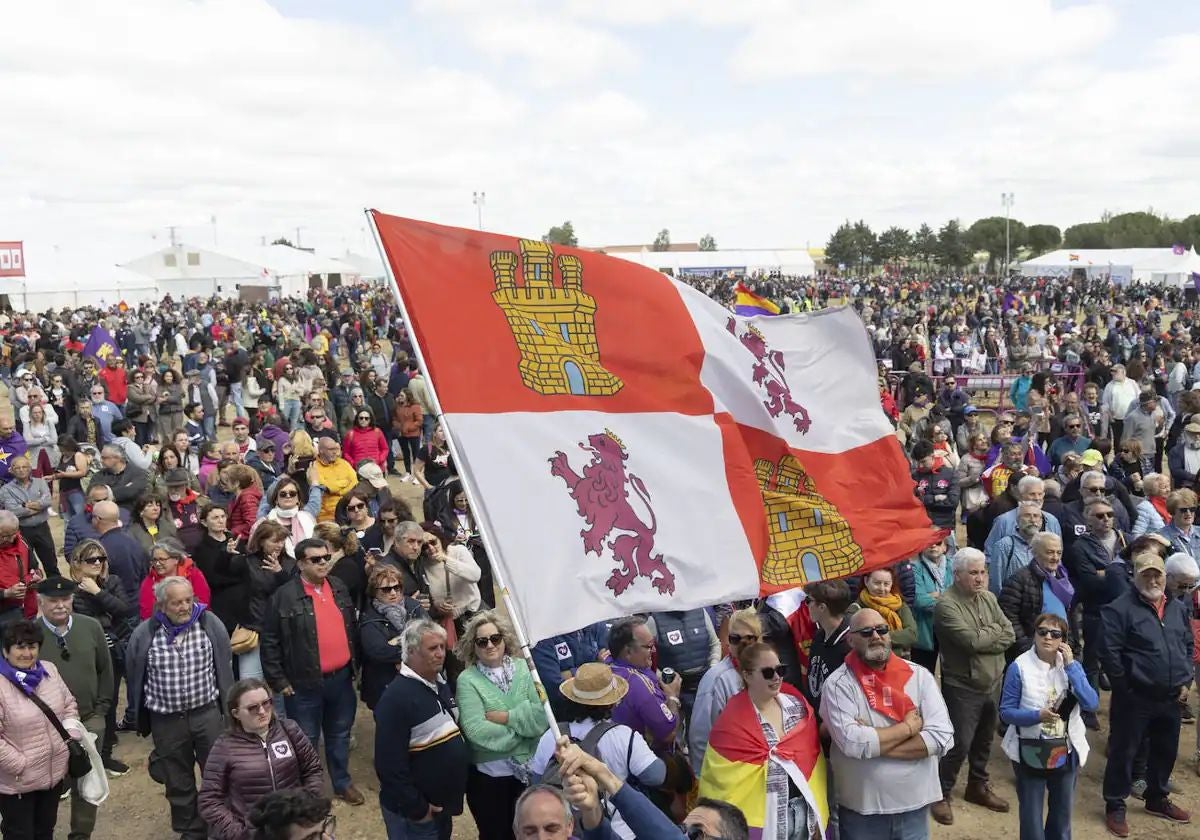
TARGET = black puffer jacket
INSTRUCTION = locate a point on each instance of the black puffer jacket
(1021, 603)
(110, 606)
(242, 769)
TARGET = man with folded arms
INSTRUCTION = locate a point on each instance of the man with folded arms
(889, 727)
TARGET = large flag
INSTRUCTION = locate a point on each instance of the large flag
(748, 302)
(633, 445)
(100, 345)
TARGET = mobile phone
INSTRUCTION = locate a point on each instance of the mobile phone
(378, 552)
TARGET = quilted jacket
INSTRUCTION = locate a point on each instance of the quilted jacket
(32, 754)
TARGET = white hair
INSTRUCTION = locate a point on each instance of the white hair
(1182, 563)
(1043, 539)
(1029, 482)
(1091, 475)
(418, 629)
(160, 588)
(1026, 505)
(965, 557)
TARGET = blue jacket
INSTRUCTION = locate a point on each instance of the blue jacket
(1142, 654)
(924, 602)
(642, 816)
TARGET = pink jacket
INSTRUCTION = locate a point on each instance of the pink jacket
(371, 445)
(32, 755)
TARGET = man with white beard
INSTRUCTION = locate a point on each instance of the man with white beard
(1147, 654)
(1183, 460)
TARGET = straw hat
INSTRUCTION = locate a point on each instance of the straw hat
(594, 684)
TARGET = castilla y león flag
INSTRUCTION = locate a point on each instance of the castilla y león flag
(636, 447)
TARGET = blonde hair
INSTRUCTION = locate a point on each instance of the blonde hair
(466, 642)
(747, 618)
(302, 444)
(333, 534)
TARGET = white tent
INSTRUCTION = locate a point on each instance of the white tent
(795, 262)
(56, 277)
(1141, 265)
(260, 272)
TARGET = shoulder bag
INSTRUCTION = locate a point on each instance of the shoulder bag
(79, 763)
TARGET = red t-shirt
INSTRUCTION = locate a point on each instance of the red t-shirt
(332, 644)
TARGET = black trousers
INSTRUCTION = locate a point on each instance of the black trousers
(973, 715)
(41, 543)
(182, 741)
(1132, 718)
(30, 816)
(493, 803)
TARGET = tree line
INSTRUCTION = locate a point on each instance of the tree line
(564, 234)
(855, 245)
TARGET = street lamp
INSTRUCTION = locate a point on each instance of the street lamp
(478, 199)
(1006, 198)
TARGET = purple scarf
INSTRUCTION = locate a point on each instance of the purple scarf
(173, 630)
(1060, 584)
(27, 681)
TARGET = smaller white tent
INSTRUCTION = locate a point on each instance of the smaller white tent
(1141, 265)
(793, 262)
(58, 277)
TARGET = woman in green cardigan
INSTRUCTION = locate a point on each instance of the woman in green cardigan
(502, 719)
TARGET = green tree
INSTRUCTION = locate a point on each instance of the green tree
(1138, 230)
(925, 244)
(840, 247)
(283, 240)
(988, 235)
(953, 249)
(707, 243)
(563, 234)
(894, 244)
(865, 244)
(1186, 231)
(662, 242)
(1042, 239)
(1087, 235)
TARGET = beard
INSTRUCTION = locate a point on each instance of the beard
(1152, 592)
(876, 654)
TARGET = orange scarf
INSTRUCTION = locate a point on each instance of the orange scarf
(888, 606)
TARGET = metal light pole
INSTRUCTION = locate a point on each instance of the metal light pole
(478, 199)
(1006, 198)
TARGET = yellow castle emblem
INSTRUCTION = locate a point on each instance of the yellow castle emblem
(810, 540)
(554, 325)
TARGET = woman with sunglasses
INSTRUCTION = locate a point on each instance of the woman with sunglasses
(1045, 693)
(258, 755)
(102, 596)
(282, 504)
(1127, 466)
(380, 627)
(502, 719)
(365, 440)
(768, 724)
(453, 576)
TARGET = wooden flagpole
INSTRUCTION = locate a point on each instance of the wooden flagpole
(469, 485)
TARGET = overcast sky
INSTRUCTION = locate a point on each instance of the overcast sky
(763, 122)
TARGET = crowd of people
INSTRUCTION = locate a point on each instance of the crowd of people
(237, 581)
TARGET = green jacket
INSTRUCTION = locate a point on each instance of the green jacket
(518, 738)
(973, 634)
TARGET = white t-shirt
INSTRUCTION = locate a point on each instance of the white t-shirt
(613, 747)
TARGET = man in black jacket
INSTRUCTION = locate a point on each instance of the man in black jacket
(1147, 655)
(421, 758)
(127, 481)
(307, 646)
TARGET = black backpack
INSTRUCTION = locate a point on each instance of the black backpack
(590, 744)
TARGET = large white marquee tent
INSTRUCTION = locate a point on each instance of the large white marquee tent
(1122, 265)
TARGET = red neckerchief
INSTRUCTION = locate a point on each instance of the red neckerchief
(884, 689)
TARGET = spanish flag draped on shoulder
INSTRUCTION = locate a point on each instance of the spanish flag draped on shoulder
(633, 445)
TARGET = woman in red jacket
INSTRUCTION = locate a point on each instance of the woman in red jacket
(169, 558)
(258, 755)
(365, 440)
(244, 482)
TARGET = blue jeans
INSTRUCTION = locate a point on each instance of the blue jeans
(328, 709)
(74, 501)
(235, 397)
(209, 424)
(250, 665)
(1031, 794)
(401, 828)
(428, 421)
(910, 825)
(291, 413)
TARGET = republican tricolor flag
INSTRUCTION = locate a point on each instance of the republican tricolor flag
(633, 446)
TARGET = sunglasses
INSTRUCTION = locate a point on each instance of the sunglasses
(258, 708)
(287, 494)
(62, 648)
(1185, 510)
(364, 419)
(318, 560)
(388, 590)
(770, 673)
(738, 638)
(1050, 632)
(96, 560)
(1108, 514)
(696, 832)
(880, 630)
(359, 506)
(1074, 425)
(494, 640)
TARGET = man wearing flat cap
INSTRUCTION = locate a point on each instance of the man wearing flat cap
(78, 648)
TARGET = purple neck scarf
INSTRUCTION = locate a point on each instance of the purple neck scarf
(1060, 584)
(27, 681)
(173, 630)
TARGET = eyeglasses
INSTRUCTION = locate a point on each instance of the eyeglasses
(258, 708)
(880, 630)
(62, 648)
(769, 673)
(388, 520)
(697, 832)
(1049, 632)
(287, 494)
(328, 825)
(358, 506)
(738, 638)
(494, 640)
(318, 560)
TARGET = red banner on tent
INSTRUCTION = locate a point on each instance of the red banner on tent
(12, 259)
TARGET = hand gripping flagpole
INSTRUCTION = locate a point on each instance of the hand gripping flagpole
(469, 485)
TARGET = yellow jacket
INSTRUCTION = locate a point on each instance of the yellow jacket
(338, 479)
